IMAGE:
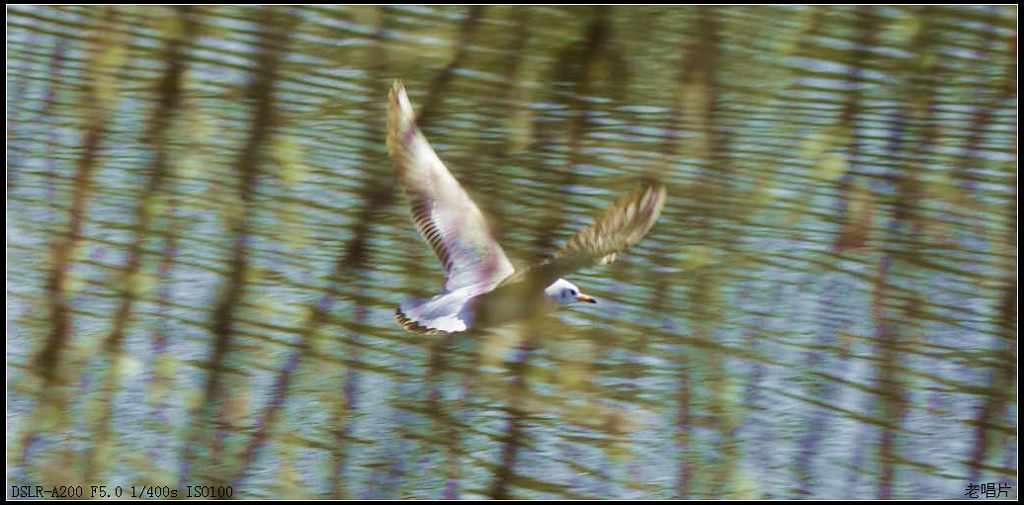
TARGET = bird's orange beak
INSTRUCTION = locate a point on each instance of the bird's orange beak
(585, 298)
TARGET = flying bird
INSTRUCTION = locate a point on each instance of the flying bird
(482, 288)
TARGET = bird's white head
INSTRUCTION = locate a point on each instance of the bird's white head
(565, 293)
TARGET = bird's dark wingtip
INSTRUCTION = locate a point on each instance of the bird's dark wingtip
(413, 326)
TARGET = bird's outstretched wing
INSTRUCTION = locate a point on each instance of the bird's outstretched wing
(619, 227)
(444, 214)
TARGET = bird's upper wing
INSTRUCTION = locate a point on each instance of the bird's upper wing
(620, 226)
(444, 214)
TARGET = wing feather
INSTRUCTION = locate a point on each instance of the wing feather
(442, 211)
(619, 227)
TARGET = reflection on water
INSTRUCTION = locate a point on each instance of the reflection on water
(206, 246)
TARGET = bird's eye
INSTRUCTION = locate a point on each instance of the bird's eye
(572, 292)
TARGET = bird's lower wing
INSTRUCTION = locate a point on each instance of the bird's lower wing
(619, 227)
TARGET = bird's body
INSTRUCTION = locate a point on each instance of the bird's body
(482, 288)
(465, 308)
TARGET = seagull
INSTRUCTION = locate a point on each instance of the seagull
(482, 288)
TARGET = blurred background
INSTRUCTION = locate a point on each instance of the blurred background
(206, 244)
